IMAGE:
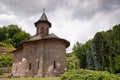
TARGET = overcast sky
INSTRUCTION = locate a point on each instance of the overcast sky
(74, 20)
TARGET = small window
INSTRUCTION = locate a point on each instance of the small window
(38, 64)
(29, 66)
(47, 30)
(54, 65)
(16, 68)
(42, 29)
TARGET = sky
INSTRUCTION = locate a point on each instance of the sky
(73, 20)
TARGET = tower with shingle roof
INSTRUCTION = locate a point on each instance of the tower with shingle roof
(43, 55)
(43, 25)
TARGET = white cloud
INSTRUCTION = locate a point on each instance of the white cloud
(6, 19)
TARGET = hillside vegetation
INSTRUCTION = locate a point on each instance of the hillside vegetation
(102, 53)
(10, 38)
(13, 35)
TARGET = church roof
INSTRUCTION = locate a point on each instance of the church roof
(42, 36)
(47, 37)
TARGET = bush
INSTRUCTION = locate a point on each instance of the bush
(82, 74)
(6, 60)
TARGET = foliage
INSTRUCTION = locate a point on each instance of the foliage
(19, 38)
(9, 33)
(79, 51)
(6, 60)
(8, 46)
(107, 46)
(117, 63)
(100, 53)
(72, 62)
(82, 74)
(10, 36)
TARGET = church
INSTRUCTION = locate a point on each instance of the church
(43, 55)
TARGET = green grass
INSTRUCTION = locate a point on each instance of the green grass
(6, 75)
(3, 75)
(6, 45)
(53, 78)
(118, 75)
(28, 78)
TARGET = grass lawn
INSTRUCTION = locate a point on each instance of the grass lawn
(2, 77)
(54, 78)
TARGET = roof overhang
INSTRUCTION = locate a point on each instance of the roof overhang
(67, 43)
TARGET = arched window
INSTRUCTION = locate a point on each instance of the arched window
(38, 64)
(29, 66)
(42, 29)
(54, 65)
(16, 69)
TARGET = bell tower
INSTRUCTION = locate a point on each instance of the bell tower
(42, 25)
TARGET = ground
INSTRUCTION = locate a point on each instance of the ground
(6, 75)
(54, 78)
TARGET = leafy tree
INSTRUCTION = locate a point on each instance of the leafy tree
(117, 64)
(102, 52)
(79, 50)
(72, 62)
(100, 43)
(19, 38)
(6, 61)
(9, 33)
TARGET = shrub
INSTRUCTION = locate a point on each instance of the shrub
(82, 74)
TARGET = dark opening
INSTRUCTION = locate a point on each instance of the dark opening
(16, 68)
(38, 64)
(54, 65)
(29, 66)
(42, 29)
(47, 30)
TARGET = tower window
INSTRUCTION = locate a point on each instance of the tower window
(42, 29)
(29, 66)
(54, 65)
(47, 31)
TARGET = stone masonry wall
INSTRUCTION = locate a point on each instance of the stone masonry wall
(17, 64)
(44, 58)
(54, 58)
(32, 54)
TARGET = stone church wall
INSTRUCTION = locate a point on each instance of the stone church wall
(17, 64)
(45, 58)
(54, 58)
(32, 56)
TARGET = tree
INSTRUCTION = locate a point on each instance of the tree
(79, 50)
(102, 51)
(19, 38)
(117, 64)
(9, 33)
(72, 62)
(101, 43)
